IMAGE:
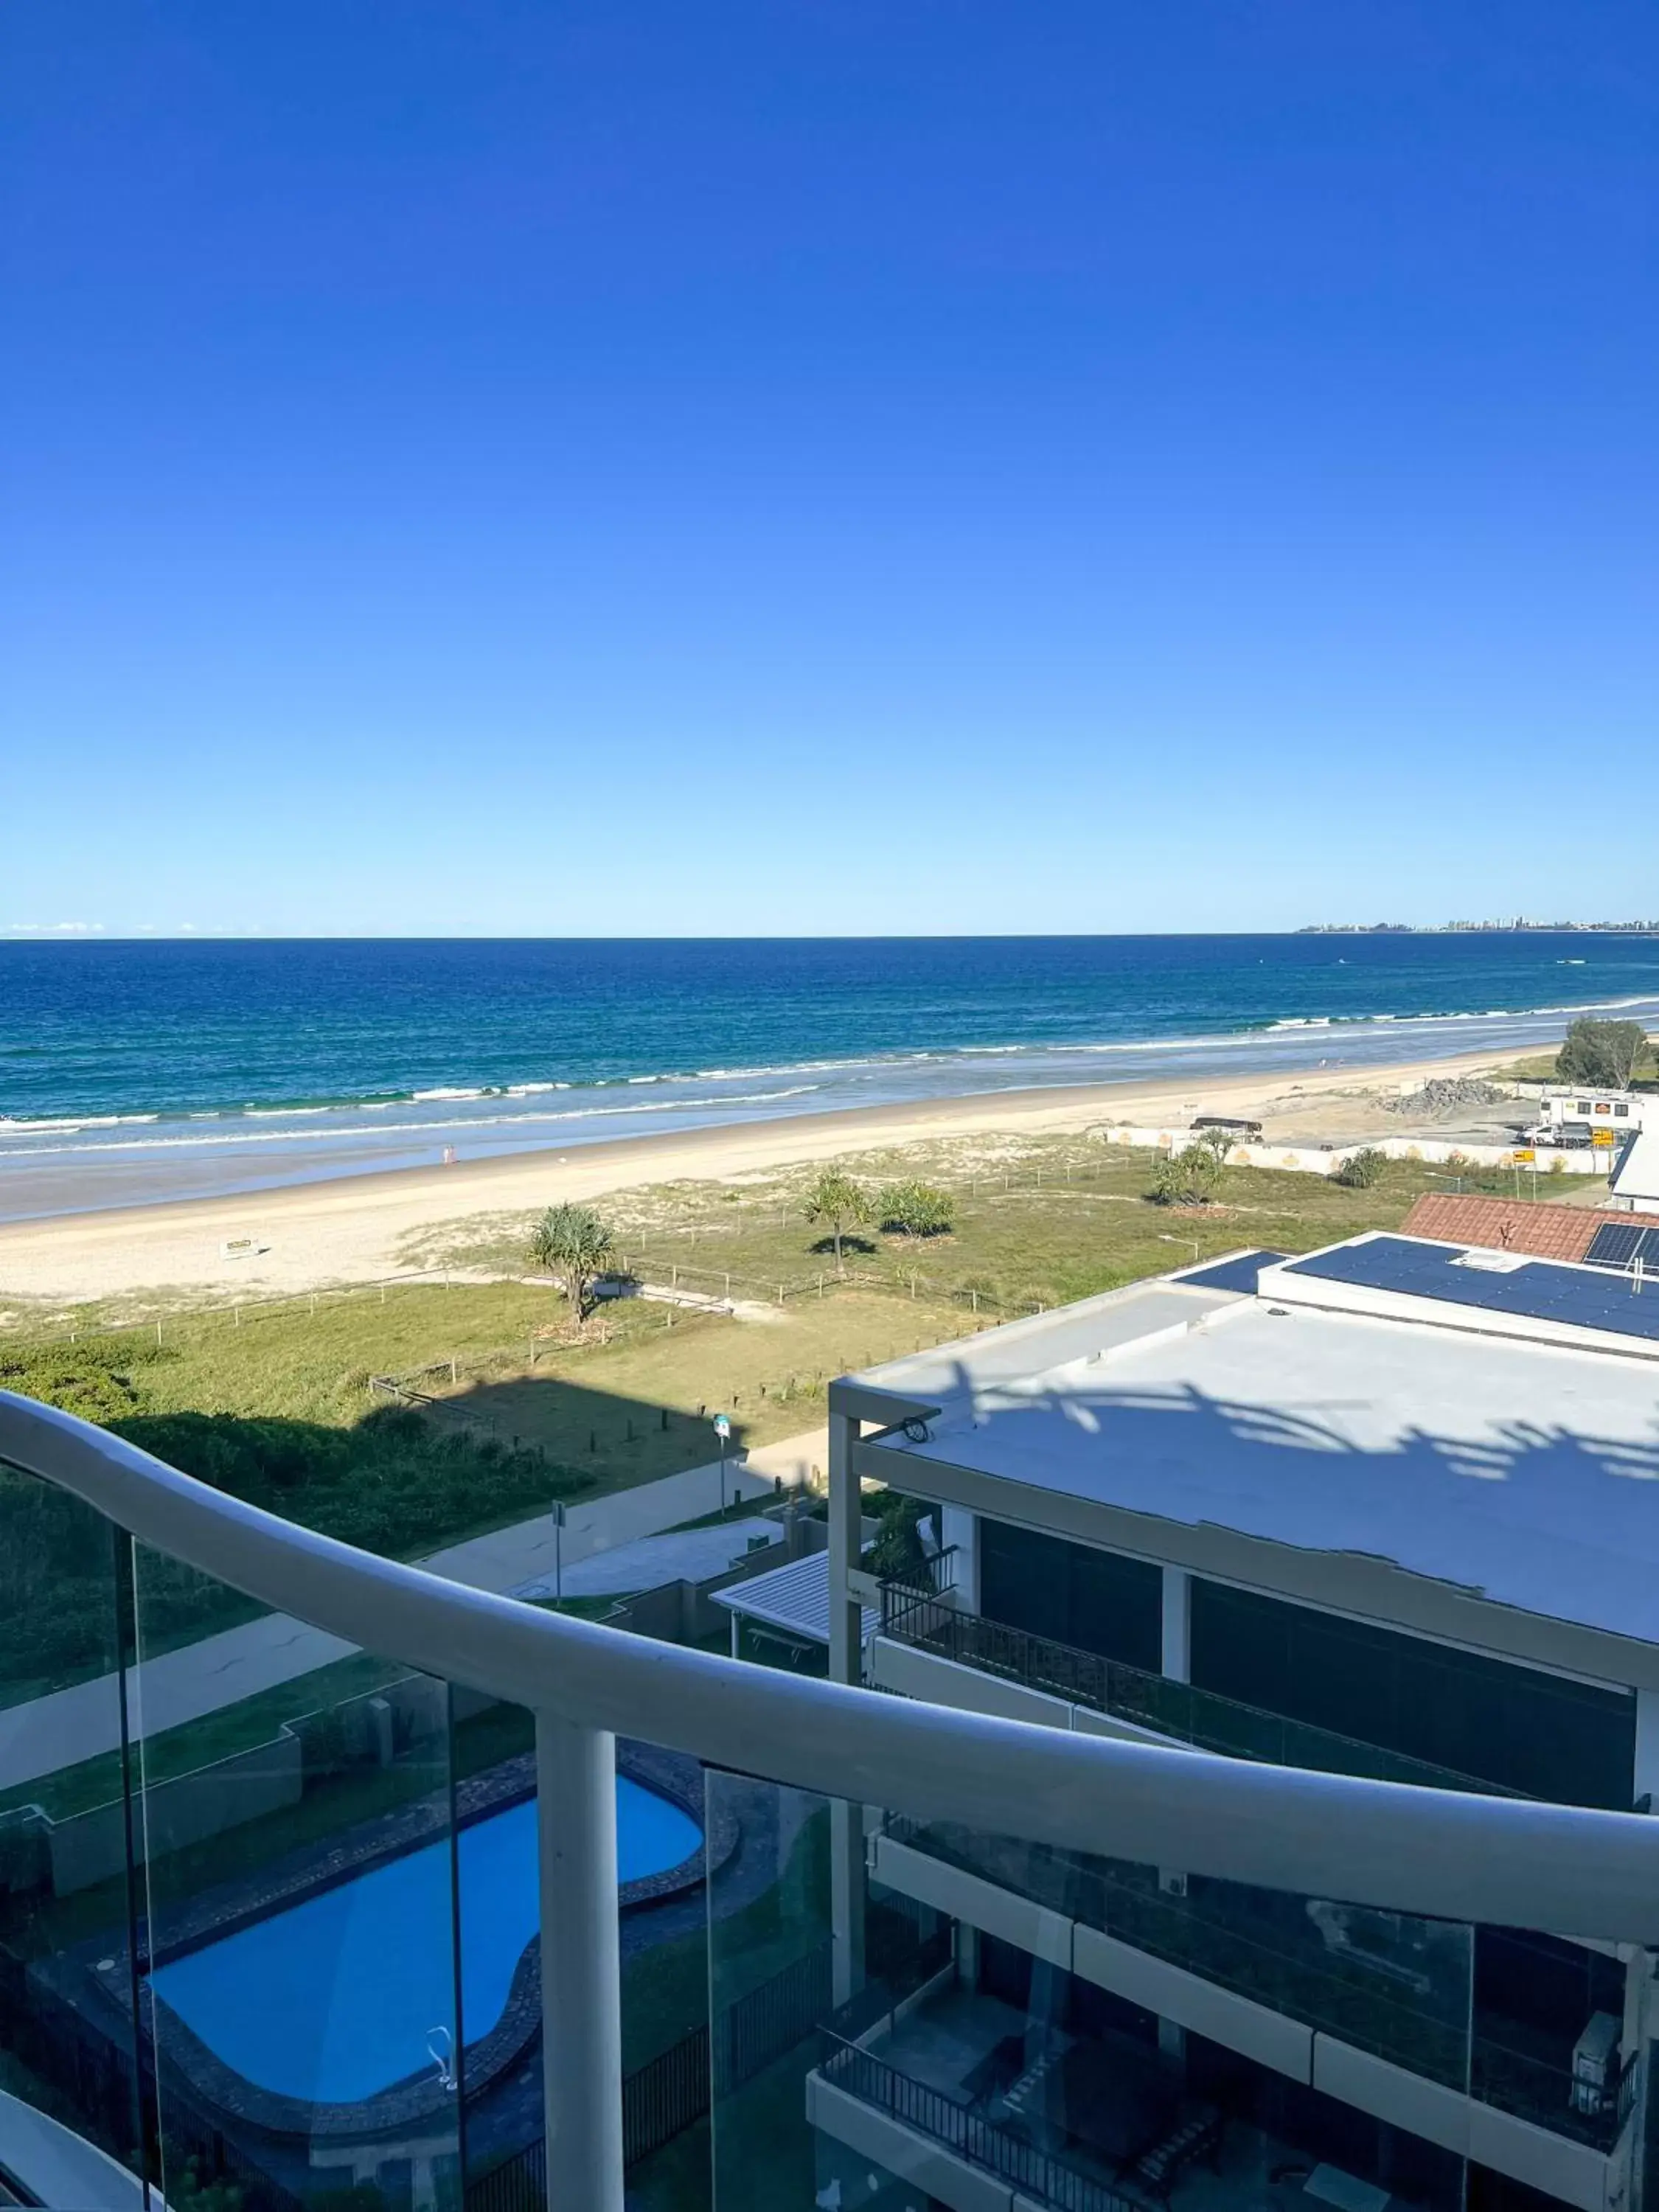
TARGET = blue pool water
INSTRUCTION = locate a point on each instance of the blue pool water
(334, 1999)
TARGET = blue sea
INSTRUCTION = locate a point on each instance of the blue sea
(135, 1070)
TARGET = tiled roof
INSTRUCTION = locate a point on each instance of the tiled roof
(1541, 1230)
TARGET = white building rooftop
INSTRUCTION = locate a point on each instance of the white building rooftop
(1525, 1472)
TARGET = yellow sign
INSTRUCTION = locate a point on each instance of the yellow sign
(1603, 1137)
(1525, 1160)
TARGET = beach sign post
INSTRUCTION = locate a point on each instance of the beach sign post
(558, 1551)
(723, 1430)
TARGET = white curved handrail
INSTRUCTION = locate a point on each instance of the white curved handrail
(1450, 1856)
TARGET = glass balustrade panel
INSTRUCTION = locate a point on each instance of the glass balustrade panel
(303, 1872)
(903, 2015)
(74, 2107)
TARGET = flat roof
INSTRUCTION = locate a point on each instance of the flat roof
(1526, 1472)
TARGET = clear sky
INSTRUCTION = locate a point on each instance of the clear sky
(817, 465)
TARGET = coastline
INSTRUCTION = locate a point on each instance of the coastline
(352, 1229)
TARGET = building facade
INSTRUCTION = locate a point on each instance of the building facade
(1387, 1510)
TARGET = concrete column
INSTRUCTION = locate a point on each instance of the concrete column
(1647, 1747)
(846, 1615)
(846, 1665)
(1177, 1665)
(581, 1973)
(1178, 1660)
(961, 1527)
(846, 1900)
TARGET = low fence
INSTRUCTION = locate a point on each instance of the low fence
(1326, 1159)
(675, 2089)
(370, 1730)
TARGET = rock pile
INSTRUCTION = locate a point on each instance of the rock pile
(1443, 1096)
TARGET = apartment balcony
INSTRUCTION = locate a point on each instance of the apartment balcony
(1067, 2122)
(1397, 1988)
(931, 1619)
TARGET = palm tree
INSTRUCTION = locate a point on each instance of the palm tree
(836, 1201)
(572, 1242)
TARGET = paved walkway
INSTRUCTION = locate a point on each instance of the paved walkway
(83, 1722)
(684, 1555)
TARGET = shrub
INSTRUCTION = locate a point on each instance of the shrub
(914, 1209)
(1188, 1177)
(1362, 1170)
(897, 1552)
(1603, 1056)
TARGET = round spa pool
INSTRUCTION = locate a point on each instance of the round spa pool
(334, 1999)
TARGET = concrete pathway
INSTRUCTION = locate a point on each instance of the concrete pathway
(83, 1722)
(689, 1555)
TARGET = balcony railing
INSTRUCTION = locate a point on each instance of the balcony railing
(969, 2136)
(928, 1618)
(1393, 1989)
(1424, 1852)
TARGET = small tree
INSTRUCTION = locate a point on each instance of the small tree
(1188, 1177)
(1362, 1170)
(1602, 1056)
(914, 1209)
(572, 1242)
(836, 1202)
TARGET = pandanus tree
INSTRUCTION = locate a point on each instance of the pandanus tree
(835, 1202)
(573, 1244)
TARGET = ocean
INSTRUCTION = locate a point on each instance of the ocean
(135, 1070)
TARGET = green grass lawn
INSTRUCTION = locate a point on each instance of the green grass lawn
(1073, 1218)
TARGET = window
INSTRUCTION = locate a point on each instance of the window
(1621, 1112)
(1488, 1718)
(1072, 1594)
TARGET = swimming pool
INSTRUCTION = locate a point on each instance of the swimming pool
(333, 1999)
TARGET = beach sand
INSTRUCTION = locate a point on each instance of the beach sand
(358, 1229)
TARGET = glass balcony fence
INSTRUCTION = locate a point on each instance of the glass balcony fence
(1401, 1988)
(325, 1883)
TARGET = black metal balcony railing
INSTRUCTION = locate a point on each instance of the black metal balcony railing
(925, 1616)
(953, 2124)
(1386, 1992)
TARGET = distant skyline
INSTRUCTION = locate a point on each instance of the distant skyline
(497, 469)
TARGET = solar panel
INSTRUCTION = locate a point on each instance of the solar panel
(1541, 1289)
(1616, 1245)
(1239, 1273)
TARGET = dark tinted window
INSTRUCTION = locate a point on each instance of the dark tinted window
(1072, 1594)
(1504, 1723)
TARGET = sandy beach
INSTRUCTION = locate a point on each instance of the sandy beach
(358, 1229)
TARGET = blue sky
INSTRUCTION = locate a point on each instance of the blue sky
(826, 465)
